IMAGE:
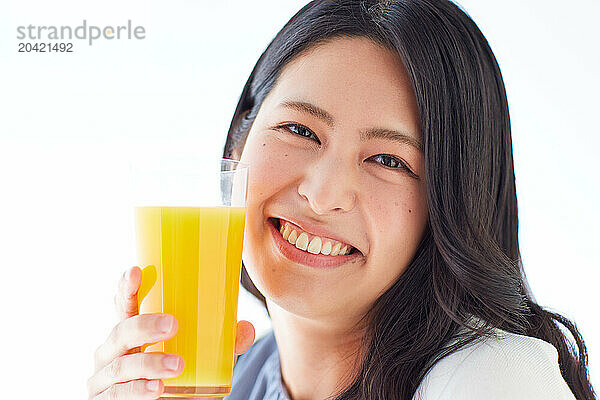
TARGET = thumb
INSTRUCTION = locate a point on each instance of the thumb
(244, 337)
(126, 298)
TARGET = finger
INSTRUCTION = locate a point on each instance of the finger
(244, 336)
(133, 332)
(140, 389)
(126, 297)
(135, 366)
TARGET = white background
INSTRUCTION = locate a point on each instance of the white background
(69, 123)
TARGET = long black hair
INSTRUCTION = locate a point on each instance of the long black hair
(468, 261)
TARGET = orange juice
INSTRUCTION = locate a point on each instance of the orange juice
(191, 261)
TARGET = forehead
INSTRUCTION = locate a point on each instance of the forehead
(354, 79)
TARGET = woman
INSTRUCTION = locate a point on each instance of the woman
(381, 226)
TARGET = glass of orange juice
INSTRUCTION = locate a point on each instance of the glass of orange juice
(189, 225)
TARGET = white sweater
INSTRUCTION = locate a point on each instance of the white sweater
(506, 366)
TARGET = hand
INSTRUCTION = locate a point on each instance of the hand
(121, 371)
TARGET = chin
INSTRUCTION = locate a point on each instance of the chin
(299, 294)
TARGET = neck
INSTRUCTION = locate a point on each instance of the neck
(319, 358)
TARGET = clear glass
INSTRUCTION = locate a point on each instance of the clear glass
(189, 226)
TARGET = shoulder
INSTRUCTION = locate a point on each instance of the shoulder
(504, 366)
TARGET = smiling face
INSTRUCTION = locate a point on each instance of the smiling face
(334, 153)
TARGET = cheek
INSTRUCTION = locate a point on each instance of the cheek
(268, 174)
(398, 219)
(273, 172)
(406, 203)
(272, 165)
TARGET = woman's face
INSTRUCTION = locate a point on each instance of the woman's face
(334, 152)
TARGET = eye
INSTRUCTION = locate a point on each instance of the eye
(300, 130)
(391, 162)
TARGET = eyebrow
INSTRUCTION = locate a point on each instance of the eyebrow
(373, 133)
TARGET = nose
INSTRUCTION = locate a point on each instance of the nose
(329, 186)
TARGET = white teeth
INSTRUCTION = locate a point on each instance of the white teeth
(315, 245)
(293, 236)
(302, 241)
(326, 249)
(286, 232)
(336, 249)
(344, 251)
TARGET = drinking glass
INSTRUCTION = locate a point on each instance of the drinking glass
(189, 218)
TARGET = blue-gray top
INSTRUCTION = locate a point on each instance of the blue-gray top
(257, 375)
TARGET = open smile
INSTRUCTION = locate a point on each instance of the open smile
(308, 249)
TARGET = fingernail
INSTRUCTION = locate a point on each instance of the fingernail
(152, 386)
(128, 274)
(171, 362)
(166, 323)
